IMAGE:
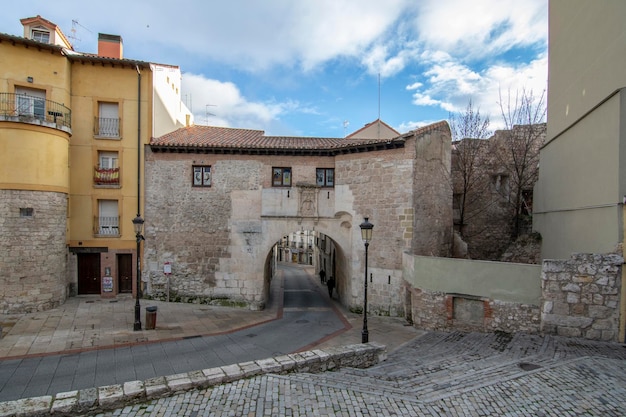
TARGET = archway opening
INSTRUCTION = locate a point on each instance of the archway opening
(314, 251)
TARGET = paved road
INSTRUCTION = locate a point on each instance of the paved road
(436, 374)
(308, 317)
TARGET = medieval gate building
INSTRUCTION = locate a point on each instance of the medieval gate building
(219, 199)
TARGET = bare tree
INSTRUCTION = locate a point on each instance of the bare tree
(524, 117)
(469, 129)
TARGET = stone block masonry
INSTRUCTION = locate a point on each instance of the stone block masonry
(436, 310)
(32, 250)
(581, 296)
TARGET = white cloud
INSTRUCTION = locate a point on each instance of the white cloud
(450, 85)
(227, 107)
(480, 28)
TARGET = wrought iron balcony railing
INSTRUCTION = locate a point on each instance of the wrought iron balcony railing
(106, 127)
(29, 108)
(106, 226)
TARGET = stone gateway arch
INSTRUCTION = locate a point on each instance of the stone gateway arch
(217, 200)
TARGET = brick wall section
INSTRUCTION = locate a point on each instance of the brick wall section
(32, 251)
(581, 296)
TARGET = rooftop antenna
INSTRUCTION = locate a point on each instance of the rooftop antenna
(75, 24)
(345, 125)
(209, 113)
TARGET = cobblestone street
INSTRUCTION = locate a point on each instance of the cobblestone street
(437, 374)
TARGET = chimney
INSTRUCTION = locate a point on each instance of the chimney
(110, 46)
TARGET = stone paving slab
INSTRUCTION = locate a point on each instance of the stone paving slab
(437, 374)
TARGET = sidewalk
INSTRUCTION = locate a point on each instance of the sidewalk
(86, 323)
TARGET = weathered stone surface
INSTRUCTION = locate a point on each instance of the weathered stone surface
(214, 375)
(584, 306)
(155, 387)
(33, 252)
(133, 390)
(111, 396)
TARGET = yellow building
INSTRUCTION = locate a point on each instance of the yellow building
(72, 130)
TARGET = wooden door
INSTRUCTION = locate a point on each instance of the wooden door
(89, 273)
(125, 273)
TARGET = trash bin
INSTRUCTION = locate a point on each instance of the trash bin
(151, 316)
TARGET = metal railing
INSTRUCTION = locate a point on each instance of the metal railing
(107, 127)
(106, 226)
(106, 176)
(28, 108)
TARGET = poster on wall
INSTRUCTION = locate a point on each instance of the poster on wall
(107, 284)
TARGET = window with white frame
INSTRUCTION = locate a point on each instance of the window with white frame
(107, 172)
(108, 217)
(325, 177)
(108, 120)
(40, 35)
(30, 102)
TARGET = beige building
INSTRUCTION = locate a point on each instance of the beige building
(72, 130)
(579, 197)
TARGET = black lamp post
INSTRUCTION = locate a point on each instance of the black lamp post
(138, 225)
(366, 235)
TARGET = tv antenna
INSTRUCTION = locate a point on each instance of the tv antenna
(345, 125)
(208, 113)
(75, 26)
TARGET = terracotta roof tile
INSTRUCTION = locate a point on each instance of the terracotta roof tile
(223, 137)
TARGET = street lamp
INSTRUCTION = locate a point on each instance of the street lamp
(138, 225)
(366, 235)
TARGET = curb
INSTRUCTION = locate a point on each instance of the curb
(95, 400)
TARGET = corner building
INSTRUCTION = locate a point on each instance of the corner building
(72, 161)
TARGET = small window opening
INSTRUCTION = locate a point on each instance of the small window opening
(26, 212)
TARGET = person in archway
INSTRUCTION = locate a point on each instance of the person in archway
(322, 276)
(331, 286)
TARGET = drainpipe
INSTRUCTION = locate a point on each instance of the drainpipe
(138, 140)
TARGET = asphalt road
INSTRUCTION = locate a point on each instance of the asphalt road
(307, 317)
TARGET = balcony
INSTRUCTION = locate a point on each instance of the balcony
(106, 127)
(106, 226)
(106, 176)
(34, 110)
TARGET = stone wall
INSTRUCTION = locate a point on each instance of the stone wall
(33, 259)
(485, 176)
(435, 310)
(581, 296)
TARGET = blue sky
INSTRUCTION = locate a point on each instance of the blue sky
(312, 67)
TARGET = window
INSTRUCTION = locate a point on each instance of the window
(30, 102)
(500, 183)
(107, 172)
(108, 121)
(281, 177)
(42, 36)
(26, 212)
(108, 218)
(202, 176)
(325, 177)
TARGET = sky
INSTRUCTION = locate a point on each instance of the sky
(322, 68)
